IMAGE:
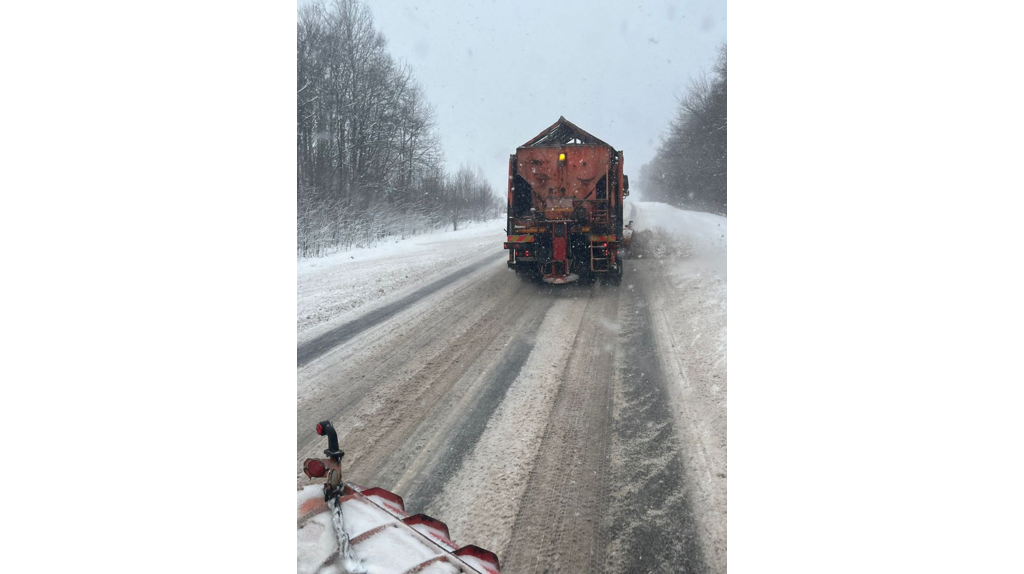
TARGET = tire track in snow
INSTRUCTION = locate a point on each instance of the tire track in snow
(652, 520)
(559, 526)
(317, 347)
(375, 391)
(430, 482)
(482, 499)
(411, 424)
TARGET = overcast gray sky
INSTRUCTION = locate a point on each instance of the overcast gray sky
(497, 73)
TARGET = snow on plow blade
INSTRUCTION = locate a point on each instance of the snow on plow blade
(383, 536)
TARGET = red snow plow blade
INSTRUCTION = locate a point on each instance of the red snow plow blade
(367, 529)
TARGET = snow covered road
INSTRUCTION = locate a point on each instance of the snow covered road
(573, 428)
(326, 341)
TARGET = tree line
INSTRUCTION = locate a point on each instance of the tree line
(689, 168)
(370, 164)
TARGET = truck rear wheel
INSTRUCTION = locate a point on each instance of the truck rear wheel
(615, 275)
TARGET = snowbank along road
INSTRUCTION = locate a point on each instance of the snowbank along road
(576, 428)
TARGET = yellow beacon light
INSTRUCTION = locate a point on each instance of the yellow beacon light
(561, 157)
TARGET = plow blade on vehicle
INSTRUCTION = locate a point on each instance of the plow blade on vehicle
(344, 527)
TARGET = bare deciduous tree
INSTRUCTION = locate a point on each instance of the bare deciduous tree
(368, 153)
(690, 168)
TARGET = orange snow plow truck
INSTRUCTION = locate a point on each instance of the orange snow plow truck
(565, 192)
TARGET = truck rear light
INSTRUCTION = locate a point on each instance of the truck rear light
(315, 468)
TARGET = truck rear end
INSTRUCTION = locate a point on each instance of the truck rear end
(565, 194)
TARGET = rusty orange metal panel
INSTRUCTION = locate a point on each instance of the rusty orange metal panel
(539, 167)
(585, 166)
(554, 180)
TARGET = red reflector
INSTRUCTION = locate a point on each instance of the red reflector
(315, 468)
(319, 429)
